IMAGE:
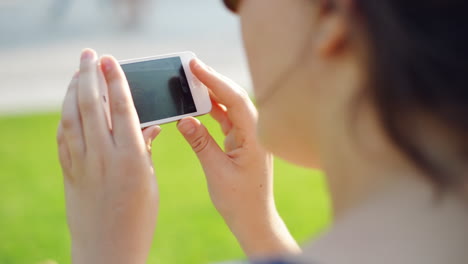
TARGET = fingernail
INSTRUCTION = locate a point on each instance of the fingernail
(200, 64)
(106, 64)
(87, 54)
(186, 127)
(155, 133)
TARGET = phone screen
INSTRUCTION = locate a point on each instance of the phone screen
(159, 88)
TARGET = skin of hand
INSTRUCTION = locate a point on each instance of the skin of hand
(240, 178)
(110, 187)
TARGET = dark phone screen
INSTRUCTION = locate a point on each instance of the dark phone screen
(159, 88)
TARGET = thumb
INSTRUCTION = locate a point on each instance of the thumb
(202, 142)
(149, 134)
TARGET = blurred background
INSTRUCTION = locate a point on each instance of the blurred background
(40, 44)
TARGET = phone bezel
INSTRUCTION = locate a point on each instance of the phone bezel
(199, 92)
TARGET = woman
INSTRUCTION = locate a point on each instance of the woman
(376, 93)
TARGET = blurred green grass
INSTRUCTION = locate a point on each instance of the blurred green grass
(32, 209)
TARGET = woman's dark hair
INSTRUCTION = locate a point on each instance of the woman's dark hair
(419, 67)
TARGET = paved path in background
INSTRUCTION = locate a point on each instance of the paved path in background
(37, 56)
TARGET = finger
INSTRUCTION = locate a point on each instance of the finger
(150, 134)
(241, 110)
(71, 121)
(226, 90)
(64, 152)
(202, 143)
(104, 93)
(219, 113)
(96, 132)
(125, 122)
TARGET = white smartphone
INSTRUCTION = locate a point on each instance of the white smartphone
(164, 88)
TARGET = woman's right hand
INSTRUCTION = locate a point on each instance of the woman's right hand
(240, 178)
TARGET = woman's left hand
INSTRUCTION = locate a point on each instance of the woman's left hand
(111, 192)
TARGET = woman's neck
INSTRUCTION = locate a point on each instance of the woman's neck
(386, 210)
(360, 162)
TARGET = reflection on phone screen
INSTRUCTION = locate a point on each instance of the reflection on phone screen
(159, 88)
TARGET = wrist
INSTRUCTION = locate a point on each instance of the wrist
(264, 235)
(101, 254)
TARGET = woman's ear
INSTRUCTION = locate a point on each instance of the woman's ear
(333, 28)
